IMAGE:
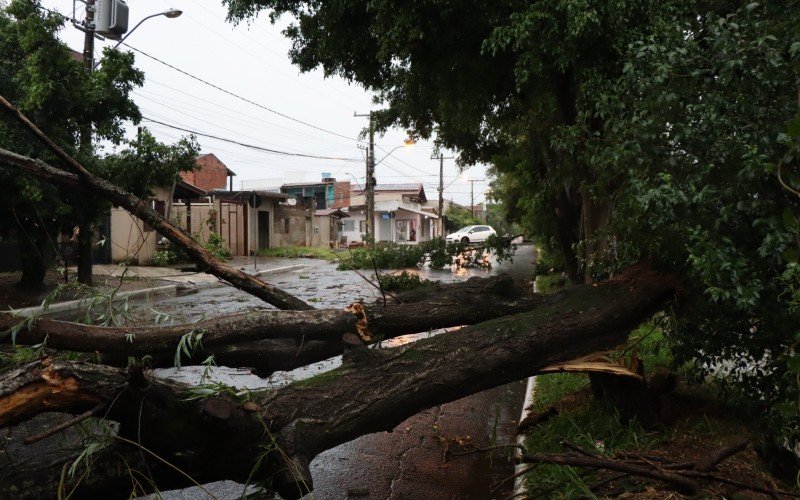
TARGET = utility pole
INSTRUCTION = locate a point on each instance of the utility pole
(472, 194)
(442, 158)
(85, 227)
(369, 184)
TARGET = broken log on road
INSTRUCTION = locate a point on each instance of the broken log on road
(223, 436)
(272, 340)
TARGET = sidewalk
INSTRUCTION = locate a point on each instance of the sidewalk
(151, 281)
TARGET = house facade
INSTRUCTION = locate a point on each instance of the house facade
(400, 215)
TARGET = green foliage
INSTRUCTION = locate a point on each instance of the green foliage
(188, 345)
(403, 281)
(436, 253)
(40, 75)
(383, 256)
(216, 245)
(457, 217)
(590, 425)
(163, 258)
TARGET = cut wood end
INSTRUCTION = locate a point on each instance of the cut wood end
(357, 308)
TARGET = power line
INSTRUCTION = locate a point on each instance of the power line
(251, 146)
(249, 101)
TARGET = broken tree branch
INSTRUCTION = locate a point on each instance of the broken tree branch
(364, 395)
(259, 338)
(97, 186)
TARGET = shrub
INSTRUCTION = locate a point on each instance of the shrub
(216, 245)
(384, 256)
(403, 281)
(164, 258)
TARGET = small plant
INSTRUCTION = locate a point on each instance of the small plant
(163, 258)
(216, 245)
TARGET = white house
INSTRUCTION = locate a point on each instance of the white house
(400, 216)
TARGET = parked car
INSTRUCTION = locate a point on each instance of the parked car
(471, 234)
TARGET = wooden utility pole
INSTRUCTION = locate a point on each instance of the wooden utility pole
(441, 158)
(369, 184)
(85, 226)
(472, 194)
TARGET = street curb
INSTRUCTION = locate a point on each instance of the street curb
(133, 294)
(519, 482)
(75, 304)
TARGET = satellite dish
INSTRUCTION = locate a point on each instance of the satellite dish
(291, 201)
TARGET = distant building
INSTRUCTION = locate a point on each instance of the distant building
(326, 194)
(210, 174)
(400, 215)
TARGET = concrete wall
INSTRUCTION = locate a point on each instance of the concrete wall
(299, 227)
(292, 227)
(130, 240)
(226, 219)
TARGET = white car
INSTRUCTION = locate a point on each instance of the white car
(471, 234)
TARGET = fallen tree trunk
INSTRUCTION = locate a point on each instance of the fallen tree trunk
(372, 391)
(290, 338)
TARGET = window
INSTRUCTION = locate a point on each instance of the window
(286, 226)
(361, 225)
(348, 225)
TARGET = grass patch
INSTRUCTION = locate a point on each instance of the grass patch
(550, 283)
(698, 423)
(299, 252)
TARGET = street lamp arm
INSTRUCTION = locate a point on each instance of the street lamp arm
(171, 13)
(407, 143)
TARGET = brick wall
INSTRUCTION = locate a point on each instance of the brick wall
(210, 173)
(341, 192)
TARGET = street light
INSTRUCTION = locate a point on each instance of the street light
(171, 14)
(407, 143)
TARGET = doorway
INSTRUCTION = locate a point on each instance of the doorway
(263, 230)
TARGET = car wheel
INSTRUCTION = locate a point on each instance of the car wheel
(464, 240)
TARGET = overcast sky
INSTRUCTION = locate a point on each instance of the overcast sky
(251, 62)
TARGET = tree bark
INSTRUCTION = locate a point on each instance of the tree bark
(567, 218)
(33, 259)
(85, 254)
(282, 340)
(96, 186)
(372, 391)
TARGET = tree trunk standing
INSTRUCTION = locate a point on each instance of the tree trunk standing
(595, 216)
(85, 254)
(374, 390)
(567, 218)
(34, 262)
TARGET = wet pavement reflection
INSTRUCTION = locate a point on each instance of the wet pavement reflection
(411, 462)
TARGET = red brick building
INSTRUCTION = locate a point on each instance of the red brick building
(210, 174)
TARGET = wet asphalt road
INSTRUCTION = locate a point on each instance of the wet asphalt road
(411, 461)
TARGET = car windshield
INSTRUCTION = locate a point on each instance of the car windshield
(465, 229)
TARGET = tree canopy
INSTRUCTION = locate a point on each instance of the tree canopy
(618, 131)
(49, 84)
